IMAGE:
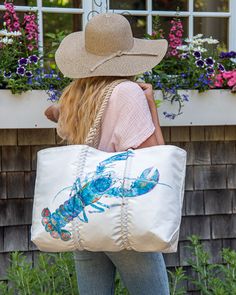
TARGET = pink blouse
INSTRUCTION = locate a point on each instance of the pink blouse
(127, 121)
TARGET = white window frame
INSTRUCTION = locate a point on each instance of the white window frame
(103, 6)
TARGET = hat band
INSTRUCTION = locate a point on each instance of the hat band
(119, 53)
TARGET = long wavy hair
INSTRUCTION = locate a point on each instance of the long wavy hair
(79, 104)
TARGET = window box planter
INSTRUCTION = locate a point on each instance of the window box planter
(213, 107)
(25, 110)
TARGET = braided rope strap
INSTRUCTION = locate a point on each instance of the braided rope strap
(93, 136)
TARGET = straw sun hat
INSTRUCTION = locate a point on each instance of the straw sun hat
(107, 48)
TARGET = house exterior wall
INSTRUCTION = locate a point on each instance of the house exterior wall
(209, 208)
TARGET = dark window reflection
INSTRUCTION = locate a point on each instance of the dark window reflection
(128, 5)
(138, 25)
(25, 2)
(216, 27)
(63, 3)
(168, 5)
(212, 5)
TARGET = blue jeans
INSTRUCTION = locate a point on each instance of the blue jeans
(142, 273)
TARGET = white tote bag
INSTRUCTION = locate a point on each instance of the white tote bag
(90, 199)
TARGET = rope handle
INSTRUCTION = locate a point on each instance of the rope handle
(93, 137)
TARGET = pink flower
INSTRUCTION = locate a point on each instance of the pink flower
(227, 75)
(30, 47)
(179, 33)
(175, 36)
(174, 52)
(10, 17)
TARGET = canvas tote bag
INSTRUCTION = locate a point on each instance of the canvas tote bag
(90, 199)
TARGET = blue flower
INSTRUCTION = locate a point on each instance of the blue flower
(209, 61)
(221, 68)
(199, 63)
(20, 71)
(7, 74)
(170, 116)
(28, 74)
(197, 54)
(184, 55)
(23, 61)
(185, 97)
(33, 59)
(210, 71)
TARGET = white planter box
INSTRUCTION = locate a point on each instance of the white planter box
(25, 110)
(214, 107)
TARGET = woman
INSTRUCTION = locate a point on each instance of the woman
(105, 52)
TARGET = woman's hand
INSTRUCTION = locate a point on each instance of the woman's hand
(148, 91)
(52, 113)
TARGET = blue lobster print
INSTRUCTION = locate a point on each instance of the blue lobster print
(89, 192)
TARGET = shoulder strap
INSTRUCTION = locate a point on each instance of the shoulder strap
(93, 136)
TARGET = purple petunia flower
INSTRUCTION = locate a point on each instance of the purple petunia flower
(33, 59)
(185, 97)
(23, 61)
(231, 54)
(221, 68)
(199, 63)
(210, 71)
(28, 74)
(7, 74)
(20, 71)
(197, 54)
(169, 115)
(184, 55)
(209, 61)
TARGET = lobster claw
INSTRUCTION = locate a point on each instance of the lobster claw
(150, 174)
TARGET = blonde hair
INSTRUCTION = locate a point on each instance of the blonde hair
(79, 104)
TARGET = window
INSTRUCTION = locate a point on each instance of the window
(216, 18)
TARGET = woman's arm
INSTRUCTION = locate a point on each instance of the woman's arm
(156, 138)
(52, 113)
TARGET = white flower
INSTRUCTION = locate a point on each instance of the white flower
(197, 36)
(6, 40)
(3, 33)
(15, 33)
(182, 48)
(9, 34)
(188, 40)
(211, 40)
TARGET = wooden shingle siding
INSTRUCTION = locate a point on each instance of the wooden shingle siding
(209, 208)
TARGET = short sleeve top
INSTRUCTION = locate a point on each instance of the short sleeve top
(127, 121)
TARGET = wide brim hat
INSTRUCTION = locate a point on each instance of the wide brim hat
(107, 48)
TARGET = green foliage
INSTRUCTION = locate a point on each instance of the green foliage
(175, 279)
(217, 279)
(55, 274)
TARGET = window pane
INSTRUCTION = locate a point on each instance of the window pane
(20, 14)
(138, 25)
(216, 27)
(165, 25)
(57, 22)
(128, 5)
(25, 2)
(212, 5)
(63, 3)
(167, 5)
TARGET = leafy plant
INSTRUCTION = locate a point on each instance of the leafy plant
(22, 67)
(175, 279)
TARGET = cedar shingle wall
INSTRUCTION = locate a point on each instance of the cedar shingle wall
(209, 205)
